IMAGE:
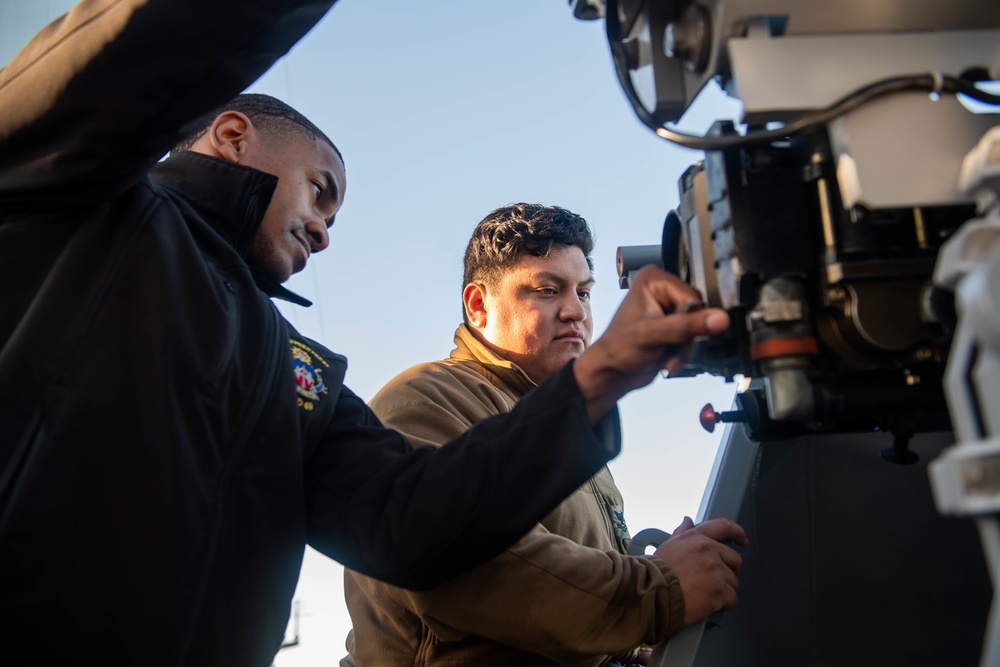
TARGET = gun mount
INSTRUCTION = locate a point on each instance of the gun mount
(832, 224)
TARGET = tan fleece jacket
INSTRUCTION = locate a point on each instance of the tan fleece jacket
(563, 594)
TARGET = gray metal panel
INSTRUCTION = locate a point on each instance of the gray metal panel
(906, 150)
(816, 17)
(849, 562)
(775, 77)
(898, 151)
(730, 19)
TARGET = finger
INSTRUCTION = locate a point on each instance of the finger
(679, 328)
(728, 598)
(666, 288)
(686, 524)
(723, 529)
(733, 561)
(726, 586)
(673, 295)
(715, 321)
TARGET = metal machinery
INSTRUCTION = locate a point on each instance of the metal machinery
(850, 226)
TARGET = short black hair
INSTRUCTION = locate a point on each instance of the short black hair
(510, 232)
(269, 115)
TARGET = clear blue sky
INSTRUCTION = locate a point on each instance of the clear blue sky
(445, 110)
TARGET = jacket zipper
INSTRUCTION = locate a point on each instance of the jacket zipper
(602, 504)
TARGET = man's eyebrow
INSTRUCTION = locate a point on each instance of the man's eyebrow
(545, 275)
(331, 185)
(334, 190)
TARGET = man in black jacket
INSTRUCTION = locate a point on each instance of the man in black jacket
(263, 133)
(168, 442)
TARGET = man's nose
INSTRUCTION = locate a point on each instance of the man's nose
(319, 236)
(574, 310)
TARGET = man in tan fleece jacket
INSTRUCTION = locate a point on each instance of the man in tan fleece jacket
(566, 593)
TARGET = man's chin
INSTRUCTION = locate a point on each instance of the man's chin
(283, 271)
(278, 275)
(282, 275)
(571, 344)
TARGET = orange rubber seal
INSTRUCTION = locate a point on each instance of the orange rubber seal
(783, 347)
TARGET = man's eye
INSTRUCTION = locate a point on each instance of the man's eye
(547, 291)
(585, 296)
(318, 190)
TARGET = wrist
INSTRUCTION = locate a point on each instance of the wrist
(599, 384)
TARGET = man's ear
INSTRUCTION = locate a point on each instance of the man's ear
(474, 298)
(232, 136)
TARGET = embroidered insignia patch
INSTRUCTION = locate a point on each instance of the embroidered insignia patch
(309, 384)
(618, 519)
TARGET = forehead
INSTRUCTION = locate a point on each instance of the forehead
(568, 263)
(314, 154)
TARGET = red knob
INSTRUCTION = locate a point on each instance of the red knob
(708, 417)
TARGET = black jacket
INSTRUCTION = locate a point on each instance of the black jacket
(168, 442)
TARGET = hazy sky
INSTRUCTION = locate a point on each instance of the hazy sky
(445, 110)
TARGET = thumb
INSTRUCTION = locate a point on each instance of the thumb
(686, 524)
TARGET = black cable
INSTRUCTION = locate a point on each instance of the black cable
(932, 82)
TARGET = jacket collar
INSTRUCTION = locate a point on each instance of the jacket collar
(470, 348)
(231, 198)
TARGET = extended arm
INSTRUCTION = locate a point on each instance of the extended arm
(431, 526)
(103, 92)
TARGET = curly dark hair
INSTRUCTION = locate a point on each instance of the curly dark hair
(510, 232)
(269, 115)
